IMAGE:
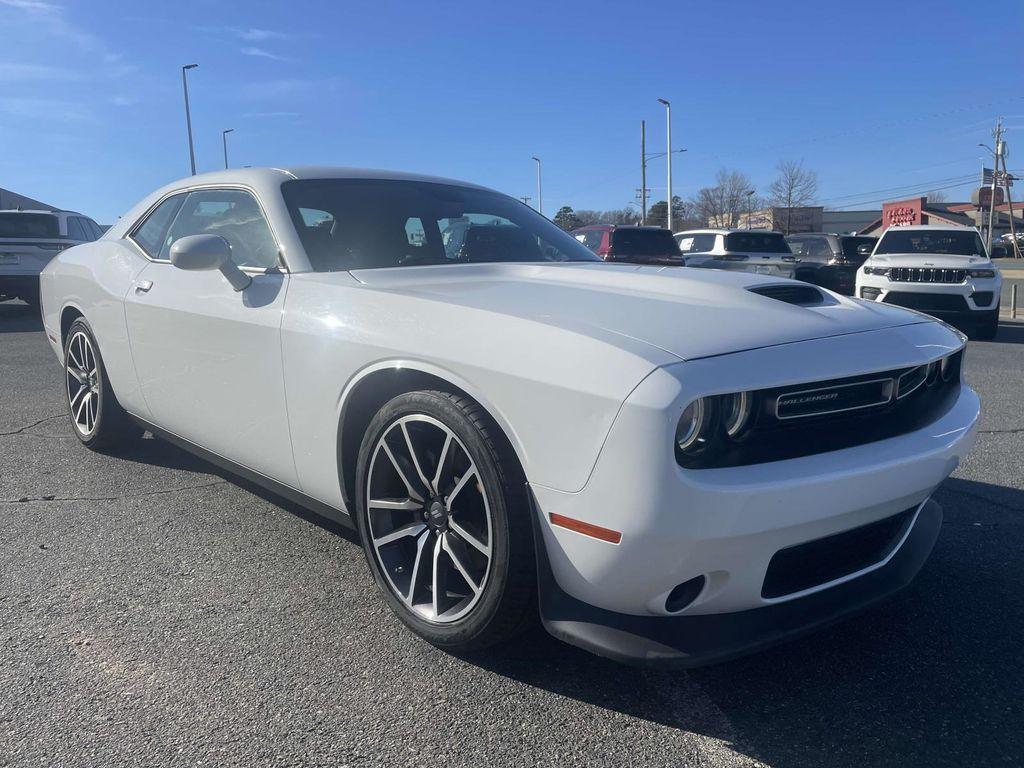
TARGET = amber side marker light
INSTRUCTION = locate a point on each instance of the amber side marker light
(587, 529)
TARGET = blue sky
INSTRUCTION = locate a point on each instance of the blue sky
(872, 95)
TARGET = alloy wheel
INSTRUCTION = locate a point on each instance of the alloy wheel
(83, 383)
(429, 519)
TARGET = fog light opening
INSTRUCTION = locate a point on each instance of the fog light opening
(683, 595)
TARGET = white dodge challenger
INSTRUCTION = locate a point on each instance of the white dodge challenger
(669, 466)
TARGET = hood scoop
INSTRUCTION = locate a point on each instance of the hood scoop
(791, 293)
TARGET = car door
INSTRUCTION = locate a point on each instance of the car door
(208, 358)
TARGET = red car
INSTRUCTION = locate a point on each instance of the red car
(631, 244)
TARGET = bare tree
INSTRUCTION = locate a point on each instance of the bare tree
(723, 204)
(937, 196)
(614, 216)
(795, 187)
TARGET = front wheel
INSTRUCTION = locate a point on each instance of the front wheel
(444, 520)
(97, 418)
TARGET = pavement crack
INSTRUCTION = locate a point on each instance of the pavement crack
(1016, 431)
(21, 430)
(52, 498)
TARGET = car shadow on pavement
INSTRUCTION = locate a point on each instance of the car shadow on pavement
(16, 317)
(931, 677)
(153, 451)
(1010, 332)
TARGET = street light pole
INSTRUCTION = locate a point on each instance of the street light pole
(668, 118)
(224, 138)
(540, 197)
(750, 195)
(188, 116)
(643, 172)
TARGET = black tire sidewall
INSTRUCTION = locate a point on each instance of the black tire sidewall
(108, 411)
(465, 631)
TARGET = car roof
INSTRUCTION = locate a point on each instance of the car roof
(936, 227)
(41, 210)
(726, 231)
(270, 175)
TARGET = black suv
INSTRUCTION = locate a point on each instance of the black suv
(828, 260)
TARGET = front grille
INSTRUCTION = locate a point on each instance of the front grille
(927, 302)
(927, 275)
(817, 562)
(805, 420)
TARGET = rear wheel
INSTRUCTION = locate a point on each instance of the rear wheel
(97, 418)
(443, 515)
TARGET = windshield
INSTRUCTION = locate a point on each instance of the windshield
(17, 224)
(633, 241)
(954, 242)
(372, 223)
(851, 244)
(756, 242)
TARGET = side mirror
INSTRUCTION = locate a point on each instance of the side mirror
(205, 252)
(864, 250)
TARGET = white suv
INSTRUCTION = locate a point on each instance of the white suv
(940, 270)
(29, 239)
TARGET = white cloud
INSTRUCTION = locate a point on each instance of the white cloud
(49, 110)
(262, 53)
(10, 71)
(270, 89)
(123, 101)
(269, 114)
(258, 35)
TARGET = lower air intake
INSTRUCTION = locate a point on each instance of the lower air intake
(803, 566)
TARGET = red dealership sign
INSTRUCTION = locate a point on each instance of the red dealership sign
(902, 213)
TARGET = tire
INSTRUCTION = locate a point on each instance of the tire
(97, 419)
(486, 590)
(988, 327)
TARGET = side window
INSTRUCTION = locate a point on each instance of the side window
(149, 235)
(702, 244)
(818, 249)
(233, 214)
(686, 244)
(75, 229)
(593, 239)
(798, 246)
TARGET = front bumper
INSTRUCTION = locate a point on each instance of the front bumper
(727, 524)
(702, 639)
(938, 299)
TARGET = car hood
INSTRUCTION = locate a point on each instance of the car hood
(938, 260)
(688, 313)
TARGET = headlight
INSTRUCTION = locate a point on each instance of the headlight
(876, 270)
(736, 413)
(951, 365)
(982, 273)
(691, 426)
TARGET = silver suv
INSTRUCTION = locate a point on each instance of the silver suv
(29, 239)
(742, 250)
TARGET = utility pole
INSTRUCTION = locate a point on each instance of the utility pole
(188, 115)
(526, 199)
(668, 119)
(643, 172)
(997, 134)
(540, 197)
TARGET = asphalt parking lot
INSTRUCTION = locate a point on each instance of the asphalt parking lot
(154, 611)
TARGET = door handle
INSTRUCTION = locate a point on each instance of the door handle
(142, 286)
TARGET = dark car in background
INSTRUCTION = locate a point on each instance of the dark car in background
(738, 250)
(29, 239)
(830, 260)
(631, 244)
